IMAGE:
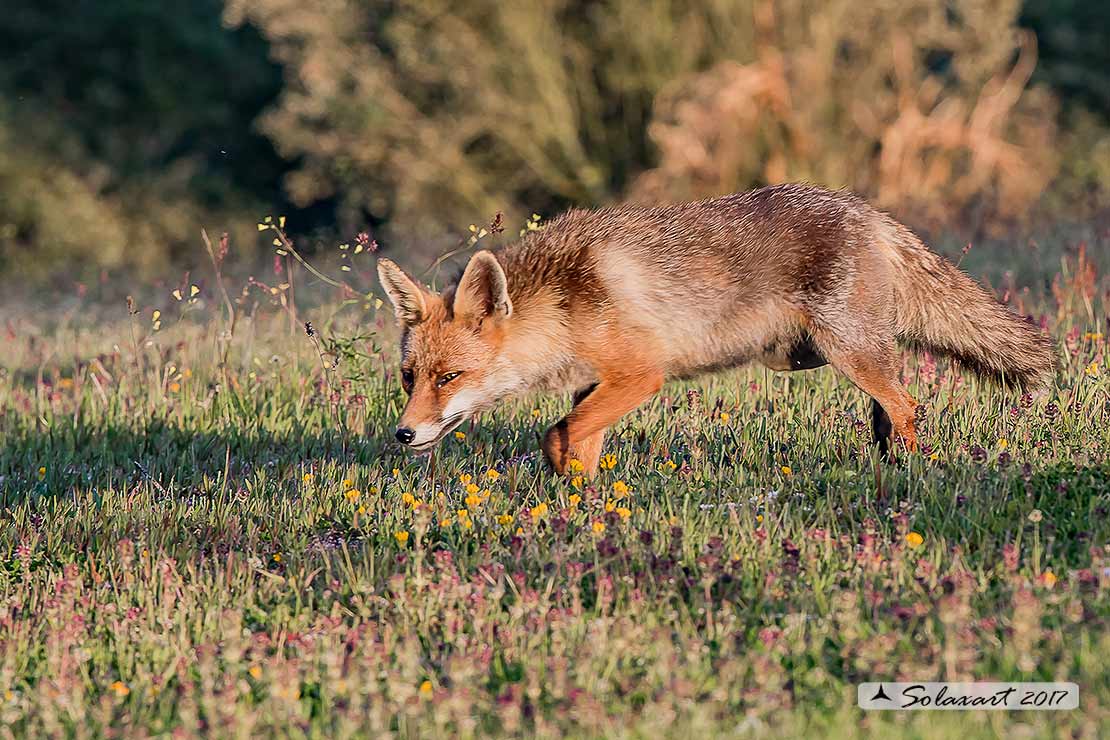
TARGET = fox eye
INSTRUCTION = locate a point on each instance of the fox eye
(447, 378)
(406, 380)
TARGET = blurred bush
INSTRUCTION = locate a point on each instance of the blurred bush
(433, 112)
(126, 125)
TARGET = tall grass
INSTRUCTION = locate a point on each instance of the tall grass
(205, 531)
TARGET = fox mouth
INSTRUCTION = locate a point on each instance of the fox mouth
(449, 426)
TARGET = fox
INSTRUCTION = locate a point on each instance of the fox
(609, 304)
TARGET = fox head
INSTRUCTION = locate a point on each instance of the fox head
(450, 346)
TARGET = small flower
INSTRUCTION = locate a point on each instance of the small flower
(307, 478)
(538, 510)
(914, 540)
(575, 466)
(620, 488)
(255, 671)
(624, 512)
(608, 462)
(1035, 516)
(460, 436)
(402, 537)
(471, 488)
(352, 494)
(42, 472)
(576, 482)
(574, 499)
(724, 417)
(598, 527)
(277, 557)
(535, 413)
(473, 501)
(505, 519)
(347, 483)
(119, 688)
(1048, 578)
(610, 505)
(409, 499)
(492, 474)
(426, 689)
(1092, 370)
(1003, 443)
(668, 466)
(465, 478)
(787, 470)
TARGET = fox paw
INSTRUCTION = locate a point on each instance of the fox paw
(556, 448)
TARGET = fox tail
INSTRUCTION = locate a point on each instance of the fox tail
(942, 310)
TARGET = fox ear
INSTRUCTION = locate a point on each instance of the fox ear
(409, 302)
(483, 290)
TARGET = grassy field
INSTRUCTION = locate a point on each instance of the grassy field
(205, 530)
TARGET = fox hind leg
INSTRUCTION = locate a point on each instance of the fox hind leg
(892, 402)
(881, 427)
(874, 370)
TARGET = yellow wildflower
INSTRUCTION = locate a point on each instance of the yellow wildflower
(426, 689)
(460, 435)
(598, 527)
(576, 482)
(471, 489)
(1003, 443)
(787, 470)
(610, 506)
(492, 474)
(348, 483)
(464, 478)
(1048, 578)
(914, 540)
(668, 466)
(42, 472)
(575, 465)
(505, 520)
(473, 501)
(538, 510)
(608, 462)
(352, 494)
(402, 536)
(620, 488)
(277, 557)
(624, 512)
(255, 671)
(119, 688)
(408, 498)
(574, 499)
(535, 413)
(724, 417)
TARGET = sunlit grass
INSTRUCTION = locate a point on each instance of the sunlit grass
(236, 548)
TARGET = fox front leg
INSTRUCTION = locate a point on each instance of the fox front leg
(583, 429)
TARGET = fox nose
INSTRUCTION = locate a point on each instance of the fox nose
(405, 435)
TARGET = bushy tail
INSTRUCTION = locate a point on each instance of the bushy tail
(942, 310)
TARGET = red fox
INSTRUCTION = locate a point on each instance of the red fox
(608, 304)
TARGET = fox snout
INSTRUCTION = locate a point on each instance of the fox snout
(405, 435)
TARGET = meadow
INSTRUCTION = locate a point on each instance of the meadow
(207, 530)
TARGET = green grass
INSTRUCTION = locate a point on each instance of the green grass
(179, 549)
